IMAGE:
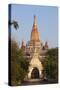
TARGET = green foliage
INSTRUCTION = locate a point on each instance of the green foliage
(19, 65)
(51, 64)
(14, 23)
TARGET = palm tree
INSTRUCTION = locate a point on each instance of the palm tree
(14, 23)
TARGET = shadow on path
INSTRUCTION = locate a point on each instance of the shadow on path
(37, 82)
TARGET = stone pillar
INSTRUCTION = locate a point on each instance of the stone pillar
(41, 75)
(29, 74)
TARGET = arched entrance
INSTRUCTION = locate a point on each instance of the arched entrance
(35, 73)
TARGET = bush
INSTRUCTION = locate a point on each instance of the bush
(51, 64)
(19, 65)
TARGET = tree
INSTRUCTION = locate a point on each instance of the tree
(19, 65)
(51, 64)
(14, 23)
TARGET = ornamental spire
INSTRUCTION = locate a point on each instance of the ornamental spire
(34, 33)
(34, 20)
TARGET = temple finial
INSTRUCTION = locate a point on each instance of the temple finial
(34, 20)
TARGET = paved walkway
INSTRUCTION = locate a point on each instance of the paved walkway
(34, 80)
(37, 82)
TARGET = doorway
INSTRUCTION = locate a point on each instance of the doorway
(35, 73)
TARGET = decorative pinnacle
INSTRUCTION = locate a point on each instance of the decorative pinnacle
(34, 20)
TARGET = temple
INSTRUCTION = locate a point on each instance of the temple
(35, 53)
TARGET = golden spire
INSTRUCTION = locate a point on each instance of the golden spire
(34, 21)
(34, 33)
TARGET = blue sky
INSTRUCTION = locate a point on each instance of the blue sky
(47, 23)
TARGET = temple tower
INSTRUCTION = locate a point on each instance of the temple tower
(34, 47)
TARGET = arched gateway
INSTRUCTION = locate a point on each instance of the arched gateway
(35, 73)
(35, 68)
